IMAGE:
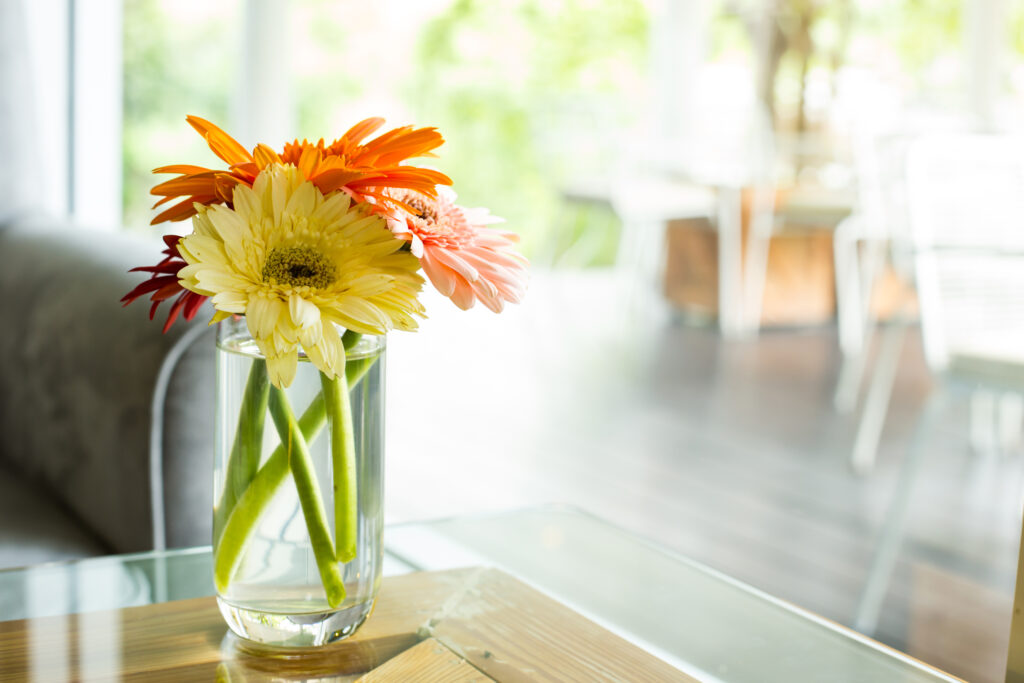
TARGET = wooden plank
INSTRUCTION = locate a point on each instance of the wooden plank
(1015, 650)
(512, 632)
(428, 662)
(501, 626)
(351, 657)
(156, 639)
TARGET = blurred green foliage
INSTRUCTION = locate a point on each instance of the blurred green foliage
(527, 92)
(1015, 27)
(513, 85)
(171, 68)
(317, 94)
(533, 96)
(919, 30)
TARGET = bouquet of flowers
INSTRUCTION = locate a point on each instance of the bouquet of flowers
(316, 244)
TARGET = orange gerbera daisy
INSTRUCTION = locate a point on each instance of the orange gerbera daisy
(464, 258)
(363, 170)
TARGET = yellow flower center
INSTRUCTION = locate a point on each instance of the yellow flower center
(298, 267)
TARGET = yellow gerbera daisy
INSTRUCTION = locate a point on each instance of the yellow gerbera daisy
(296, 264)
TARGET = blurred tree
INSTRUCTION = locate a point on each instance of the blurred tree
(787, 42)
(793, 37)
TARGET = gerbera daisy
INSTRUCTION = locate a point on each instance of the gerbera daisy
(348, 164)
(296, 264)
(164, 285)
(464, 259)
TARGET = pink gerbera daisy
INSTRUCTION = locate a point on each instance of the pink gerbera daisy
(463, 258)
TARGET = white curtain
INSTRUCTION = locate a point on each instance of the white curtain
(22, 185)
(60, 146)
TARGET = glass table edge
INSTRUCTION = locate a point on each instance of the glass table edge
(654, 546)
(551, 509)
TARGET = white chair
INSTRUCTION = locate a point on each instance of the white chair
(966, 219)
(702, 174)
(874, 237)
(863, 244)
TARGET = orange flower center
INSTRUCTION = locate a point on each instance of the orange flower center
(436, 222)
(426, 209)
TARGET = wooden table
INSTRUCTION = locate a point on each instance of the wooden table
(459, 625)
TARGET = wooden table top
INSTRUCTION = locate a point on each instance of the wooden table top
(460, 625)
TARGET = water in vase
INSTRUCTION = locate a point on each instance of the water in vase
(276, 594)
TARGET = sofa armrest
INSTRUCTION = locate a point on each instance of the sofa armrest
(77, 375)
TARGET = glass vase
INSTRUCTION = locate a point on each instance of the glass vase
(298, 492)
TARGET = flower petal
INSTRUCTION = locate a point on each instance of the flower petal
(262, 315)
(463, 296)
(281, 368)
(303, 313)
(440, 276)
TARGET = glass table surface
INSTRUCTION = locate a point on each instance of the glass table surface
(699, 620)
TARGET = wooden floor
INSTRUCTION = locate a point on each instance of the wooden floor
(728, 452)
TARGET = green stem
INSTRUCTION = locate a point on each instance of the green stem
(244, 460)
(356, 369)
(301, 465)
(242, 520)
(247, 511)
(343, 460)
(349, 339)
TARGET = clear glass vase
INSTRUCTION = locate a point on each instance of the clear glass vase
(295, 564)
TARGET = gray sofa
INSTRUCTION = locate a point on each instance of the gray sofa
(78, 377)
